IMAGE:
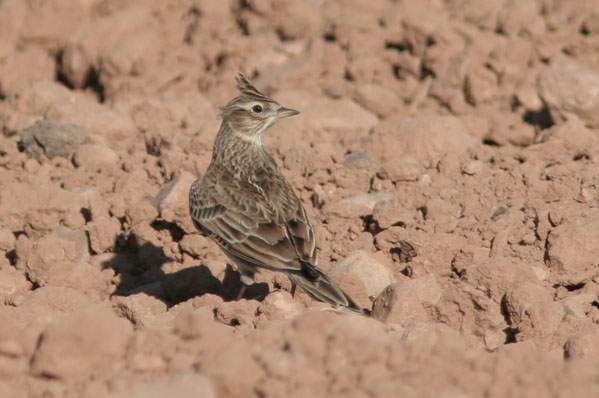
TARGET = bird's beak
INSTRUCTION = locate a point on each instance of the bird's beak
(285, 112)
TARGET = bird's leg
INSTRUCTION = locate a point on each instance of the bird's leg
(293, 286)
(241, 292)
(246, 277)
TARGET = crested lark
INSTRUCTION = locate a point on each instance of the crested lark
(244, 203)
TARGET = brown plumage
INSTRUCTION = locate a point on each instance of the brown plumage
(244, 203)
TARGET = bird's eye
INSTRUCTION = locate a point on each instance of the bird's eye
(257, 108)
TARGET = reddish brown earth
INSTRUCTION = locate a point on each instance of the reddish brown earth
(447, 152)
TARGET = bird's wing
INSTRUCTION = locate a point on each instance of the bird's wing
(277, 236)
(247, 226)
(300, 232)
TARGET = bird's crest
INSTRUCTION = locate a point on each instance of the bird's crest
(248, 91)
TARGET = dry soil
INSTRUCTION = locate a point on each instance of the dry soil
(446, 151)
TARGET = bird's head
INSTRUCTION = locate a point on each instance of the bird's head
(251, 113)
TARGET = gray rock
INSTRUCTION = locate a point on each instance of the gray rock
(52, 139)
(79, 237)
(360, 160)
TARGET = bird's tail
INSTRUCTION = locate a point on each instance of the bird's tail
(325, 290)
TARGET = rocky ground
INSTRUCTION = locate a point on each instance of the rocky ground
(446, 151)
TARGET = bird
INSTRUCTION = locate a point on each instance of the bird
(244, 203)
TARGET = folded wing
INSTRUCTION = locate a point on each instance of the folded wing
(253, 231)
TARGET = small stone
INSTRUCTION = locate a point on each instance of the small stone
(509, 129)
(528, 96)
(279, 305)
(94, 202)
(572, 245)
(172, 201)
(52, 139)
(473, 168)
(103, 233)
(140, 309)
(585, 195)
(556, 216)
(359, 205)
(54, 261)
(498, 212)
(494, 339)
(360, 160)
(499, 244)
(531, 309)
(141, 211)
(529, 239)
(50, 256)
(569, 89)
(336, 91)
(95, 157)
(480, 85)
(175, 193)
(31, 165)
(399, 304)
(194, 244)
(540, 272)
(79, 237)
(520, 297)
(579, 304)
(440, 210)
(393, 213)
(427, 289)
(23, 248)
(367, 268)
(234, 313)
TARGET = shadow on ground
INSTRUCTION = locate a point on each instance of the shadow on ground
(139, 269)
